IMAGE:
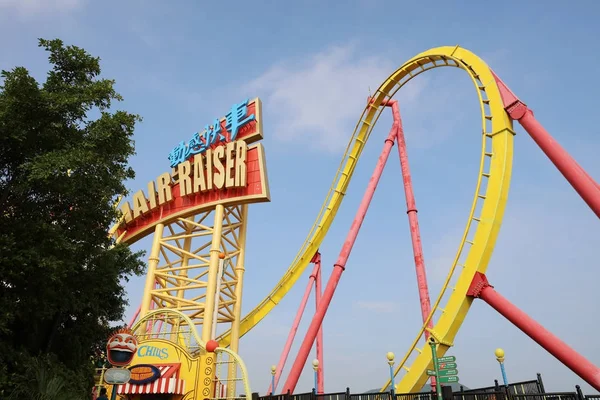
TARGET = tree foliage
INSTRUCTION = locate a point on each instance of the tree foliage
(63, 161)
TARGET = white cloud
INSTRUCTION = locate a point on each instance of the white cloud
(35, 7)
(319, 99)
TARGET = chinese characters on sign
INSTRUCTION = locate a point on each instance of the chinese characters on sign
(200, 142)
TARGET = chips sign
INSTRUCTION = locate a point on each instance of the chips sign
(143, 373)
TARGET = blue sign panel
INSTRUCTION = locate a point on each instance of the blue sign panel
(212, 134)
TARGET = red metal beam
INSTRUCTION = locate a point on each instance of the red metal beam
(132, 321)
(290, 340)
(411, 211)
(321, 371)
(584, 185)
(413, 221)
(480, 288)
(339, 267)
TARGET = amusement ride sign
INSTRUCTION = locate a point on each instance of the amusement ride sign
(216, 166)
(220, 168)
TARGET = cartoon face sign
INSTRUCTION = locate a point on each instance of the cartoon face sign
(121, 348)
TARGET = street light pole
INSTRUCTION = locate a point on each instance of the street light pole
(273, 372)
(390, 357)
(500, 358)
(315, 364)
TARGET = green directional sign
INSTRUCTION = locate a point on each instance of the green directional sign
(446, 359)
(448, 379)
(448, 372)
(449, 365)
(430, 372)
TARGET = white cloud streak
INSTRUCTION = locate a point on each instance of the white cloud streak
(318, 98)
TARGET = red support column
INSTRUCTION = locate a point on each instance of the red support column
(413, 222)
(411, 210)
(294, 329)
(586, 187)
(321, 371)
(338, 267)
(132, 321)
(480, 288)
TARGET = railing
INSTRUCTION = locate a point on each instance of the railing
(512, 392)
(273, 397)
(416, 396)
(515, 388)
(371, 396)
(304, 396)
(480, 395)
(525, 388)
(333, 396)
(547, 396)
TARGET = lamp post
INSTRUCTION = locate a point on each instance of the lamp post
(273, 372)
(500, 357)
(315, 364)
(390, 358)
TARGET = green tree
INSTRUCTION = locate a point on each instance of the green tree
(63, 162)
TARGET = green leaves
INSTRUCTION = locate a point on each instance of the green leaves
(45, 379)
(60, 279)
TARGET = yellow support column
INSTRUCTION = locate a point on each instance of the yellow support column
(150, 278)
(206, 383)
(212, 285)
(185, 259)
(237, 308)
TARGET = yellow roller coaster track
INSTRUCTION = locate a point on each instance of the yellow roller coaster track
(479, 238)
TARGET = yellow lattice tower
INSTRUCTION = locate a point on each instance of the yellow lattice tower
(196, 266)
(196, 214)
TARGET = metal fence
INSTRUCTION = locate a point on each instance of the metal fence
(332, 396)
(480, 395)
(371, 396)
(416, 396)
(526, 390)
(516, 388)
(547, 396)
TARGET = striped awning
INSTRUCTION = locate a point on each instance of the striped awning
(168, 382)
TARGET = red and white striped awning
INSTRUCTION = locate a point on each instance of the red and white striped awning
(168, 382)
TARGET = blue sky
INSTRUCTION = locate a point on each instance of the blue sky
(180, 64)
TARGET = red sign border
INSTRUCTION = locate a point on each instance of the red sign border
(264, 197)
